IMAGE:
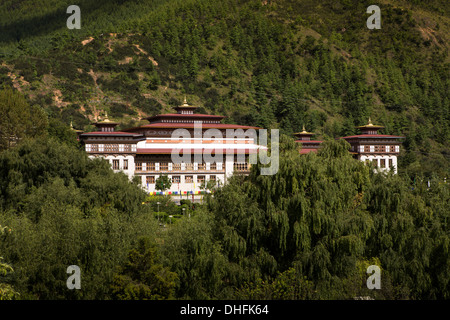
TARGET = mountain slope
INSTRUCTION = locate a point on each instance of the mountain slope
(268, 63)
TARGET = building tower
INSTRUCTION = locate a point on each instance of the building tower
(117, 147)
(380, 149)
(77, 132)
(308, 145)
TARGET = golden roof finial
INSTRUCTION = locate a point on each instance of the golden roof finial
(303, 129)
(106, 117)
(370, 122)
(185, 102)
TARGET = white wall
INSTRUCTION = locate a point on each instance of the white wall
(131, 165)
(371, 157)
(183, 185)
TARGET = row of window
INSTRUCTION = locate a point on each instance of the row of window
(377, 148)
(170, 166)
(190, 121)
(110, 148)
(382, 163)
(107, 129)
(177, 179)
(164, 166)
(116, 165)
(241, 166)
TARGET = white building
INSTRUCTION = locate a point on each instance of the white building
(189, 148)
(380, 149)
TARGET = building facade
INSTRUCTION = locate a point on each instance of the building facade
(191, 149)
(196, 149)
(308, 145)
(369, 146)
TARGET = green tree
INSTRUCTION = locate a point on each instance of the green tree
(66, 209)
(143, 277)
(18, 119)
(163, 182)
(327, 215)
(208, 185)
(7, 291)
(191, 251)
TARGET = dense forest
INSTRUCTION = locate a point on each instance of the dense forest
(309, 232)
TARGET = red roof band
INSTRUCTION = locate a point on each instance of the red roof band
(194, 150)
(371, 136)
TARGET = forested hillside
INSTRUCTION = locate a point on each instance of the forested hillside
(275, 64)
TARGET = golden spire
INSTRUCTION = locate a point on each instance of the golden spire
(303, 129)
(370, 122)
(185, 104)
(106, 117)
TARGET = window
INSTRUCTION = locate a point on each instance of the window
(201, 166)
(213, 166)
(176, 166)
(391, 163)
(176, 179)
(150, 166)
(189, 166)
(127, 148)
(150, 179)
(200, 179)
(379, 149)
(241, 166)
(138, 166)
(382, 163)
(94, 147)
(188, 179)
(111, 148)
(164, 166)
(212, 178)
(125, 164)
(115, 164)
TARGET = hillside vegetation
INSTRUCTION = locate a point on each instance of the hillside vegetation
(275, 64)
